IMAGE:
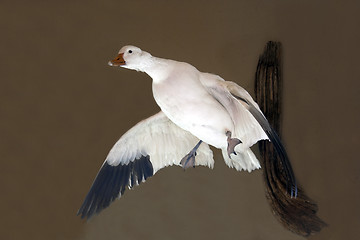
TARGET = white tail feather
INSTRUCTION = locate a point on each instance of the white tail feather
(245, 160)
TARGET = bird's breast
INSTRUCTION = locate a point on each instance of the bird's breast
(192, 108)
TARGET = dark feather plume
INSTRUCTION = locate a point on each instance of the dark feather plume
(296, 214)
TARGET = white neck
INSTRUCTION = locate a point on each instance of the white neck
(157, 68)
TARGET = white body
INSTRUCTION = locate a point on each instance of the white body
(184, 100)
(194, 106)
(201, 103)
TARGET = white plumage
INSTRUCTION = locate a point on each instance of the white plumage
(162, 140)
(194, 106)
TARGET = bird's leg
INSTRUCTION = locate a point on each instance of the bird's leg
(189, 159)
(232, 142)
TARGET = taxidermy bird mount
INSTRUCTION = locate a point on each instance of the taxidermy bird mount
(197, 110)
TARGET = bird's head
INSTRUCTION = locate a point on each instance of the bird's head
(131, 57)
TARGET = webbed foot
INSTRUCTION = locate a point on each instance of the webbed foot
(232, 142)
(189, 159)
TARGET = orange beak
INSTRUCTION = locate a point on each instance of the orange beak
(118, 61)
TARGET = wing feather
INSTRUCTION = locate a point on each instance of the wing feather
(150, 145)
(243, 96)
(247, 128)
(250, 123)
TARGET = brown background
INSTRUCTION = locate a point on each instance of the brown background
(62, 108)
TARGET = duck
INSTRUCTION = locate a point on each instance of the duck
(198, 110)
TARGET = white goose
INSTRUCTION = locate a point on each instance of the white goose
(197, 109)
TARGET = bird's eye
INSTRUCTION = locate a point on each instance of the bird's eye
(130, 51)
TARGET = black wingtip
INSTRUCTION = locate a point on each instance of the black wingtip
(291, 180)
(275, 139)
(294, 191)
(111, 183)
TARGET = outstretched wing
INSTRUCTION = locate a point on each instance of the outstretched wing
(150, 145)
(248, 119)
(247, 129)
(253, 108)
